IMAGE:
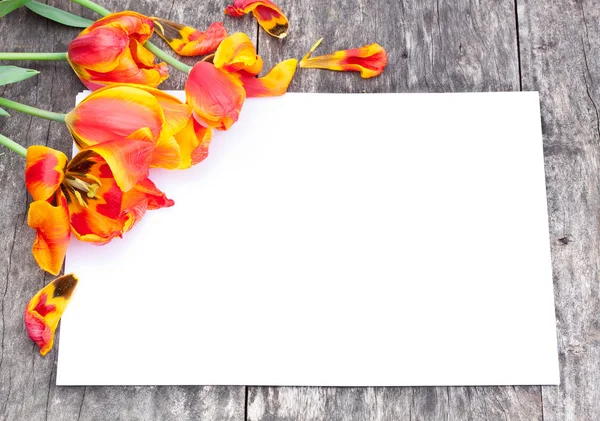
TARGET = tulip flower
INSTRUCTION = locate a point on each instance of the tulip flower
(111, 51)
(118, 111)
(44, 310)
(237, 56)
(126, 111)
(187, 41)
(369, 60)
(268, 15)
(98, 195)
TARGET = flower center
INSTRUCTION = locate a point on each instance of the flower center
(80, 184)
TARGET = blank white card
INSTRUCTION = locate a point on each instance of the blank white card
(333, 240)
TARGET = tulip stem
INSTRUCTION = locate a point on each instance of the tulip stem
(13, 146)
(33, 56)
(167, 58)
(153, 48)
(93, 6)
(48, 115)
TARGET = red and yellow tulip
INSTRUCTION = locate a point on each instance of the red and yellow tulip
(187, 41)
(44, 310)
(127, 111)
(218, 86)
(369, 60)
(111, 51)
(215, 96)
(98, 195)
(237, 56)
(268, 15)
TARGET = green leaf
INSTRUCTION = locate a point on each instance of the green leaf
(3, 113)
(58, 15)
(12, 74)
(7, 6)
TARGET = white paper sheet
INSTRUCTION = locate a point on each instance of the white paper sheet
(333, 239)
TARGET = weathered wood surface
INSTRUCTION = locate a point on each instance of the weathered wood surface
(560, 54)
(434, 46)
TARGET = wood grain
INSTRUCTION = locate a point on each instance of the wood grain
(433, 46)
(560, 51)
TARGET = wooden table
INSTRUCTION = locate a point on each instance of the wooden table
(434, 46)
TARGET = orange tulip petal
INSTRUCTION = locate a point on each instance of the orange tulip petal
(274, 83)
(130, 71)
(187, 41)
(236, 53)
(216, 97)
(53, 231)
(141, 55)
(144, 196)
(44, 171)
(114, 113)
(129, 160)
(44, 310)
(268, 15)
(369, 60)
(99, 50)
(176, 112)
(167, 153)
(93, 227)
(193, 141)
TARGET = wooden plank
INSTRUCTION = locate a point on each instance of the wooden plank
(433, 46)
(441, 46)
(27, 390)
(560, 52)
(383, 404)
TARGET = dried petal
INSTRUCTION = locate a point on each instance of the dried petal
(369, 60)
(187, 41)
(44, 310)
(268, 15)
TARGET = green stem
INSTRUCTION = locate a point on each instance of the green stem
(13, 146)
(48, 115)
(33, 56)
(167, 58)
(93, 6)
(153, 48)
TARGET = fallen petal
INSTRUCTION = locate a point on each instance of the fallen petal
(369, 60)
(187, 41)
(268, 15)
(44, 310)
